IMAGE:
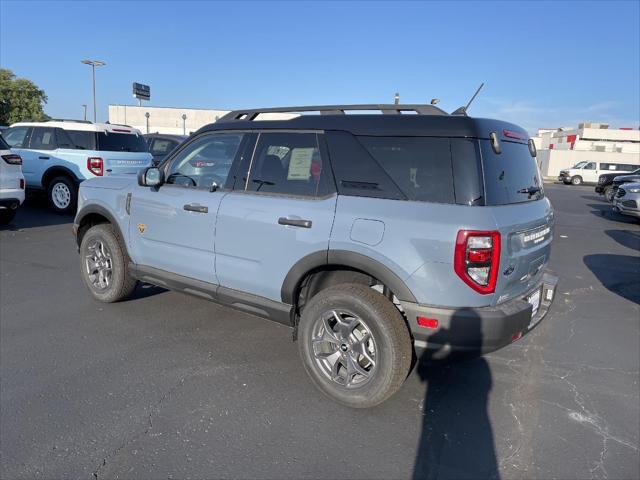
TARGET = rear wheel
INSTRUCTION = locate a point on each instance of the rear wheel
(354, 345)
(62, 193)
(103, 263)
(7, 215)
(576, 180)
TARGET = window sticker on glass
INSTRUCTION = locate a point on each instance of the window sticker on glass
(300, 164)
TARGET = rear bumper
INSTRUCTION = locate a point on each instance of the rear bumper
(12, 202)
(479, 330)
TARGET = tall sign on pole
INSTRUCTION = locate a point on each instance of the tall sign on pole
(141, 92)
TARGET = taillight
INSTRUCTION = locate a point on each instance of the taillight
(477, 259)
(21, 184)
(12, 159)
(95, 165)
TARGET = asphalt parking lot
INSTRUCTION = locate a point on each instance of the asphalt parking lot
(171, 386)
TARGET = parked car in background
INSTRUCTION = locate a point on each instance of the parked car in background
(57, 155)
(11, 183)
(607, 185)
(422, 231)
(627, 199)
(589, 172)
(160, 145)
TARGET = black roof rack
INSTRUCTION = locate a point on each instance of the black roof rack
(68, 120)
(391, 108)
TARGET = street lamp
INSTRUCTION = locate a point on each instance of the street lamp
(184, 123)
(84, 106)
(94, 64)
(147, 115)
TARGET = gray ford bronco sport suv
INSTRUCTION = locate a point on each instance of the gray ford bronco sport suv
(370, 235)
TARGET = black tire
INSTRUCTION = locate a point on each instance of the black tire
(62, 194)
(7, 215)
(120, 284)
(576, 180)
(391, 338)
(608, 194)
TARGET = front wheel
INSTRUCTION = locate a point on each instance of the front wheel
(62, 193)
(354, 345)
(608, 194)
(576, 180)
(103, 264)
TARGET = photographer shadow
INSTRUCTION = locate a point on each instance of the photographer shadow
(457, 439)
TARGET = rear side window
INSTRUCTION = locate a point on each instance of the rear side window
(509, 175)
(43, 139)
(162, 146)
(82, 140)
(121, 142)
(419, 166)
(288, 163)
(16, 136)
(3, 144)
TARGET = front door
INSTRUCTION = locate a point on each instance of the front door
(589, 173)
(172, 227)
(284, 213)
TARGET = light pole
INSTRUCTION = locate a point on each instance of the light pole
(94, 64)
(184, 123)
(147, 115)
(84, 105)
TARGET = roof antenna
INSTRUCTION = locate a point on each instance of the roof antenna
(463, 110)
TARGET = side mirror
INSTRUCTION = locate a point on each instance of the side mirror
(495, 143)
(532, 148)
(150, 177)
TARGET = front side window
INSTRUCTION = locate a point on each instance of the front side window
(43, 139)
(287, 163)
(419, 166)
(590, 166)
(204, 161)
(15, 136)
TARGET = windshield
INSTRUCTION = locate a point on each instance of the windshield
(579, 165)
(512, 176)
(121, 142)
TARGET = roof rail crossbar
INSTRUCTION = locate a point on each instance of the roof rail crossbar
(387, 109)
(68, 120)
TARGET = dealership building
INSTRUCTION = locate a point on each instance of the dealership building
(564, 147)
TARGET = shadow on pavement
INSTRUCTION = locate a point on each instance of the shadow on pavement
(36, 213)
(144, 290)
(617, 273)
(457, 438)
(626, 238)
(605, 210)
(595, 198)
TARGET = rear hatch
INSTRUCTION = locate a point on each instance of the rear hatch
(523, 216)
(123, 150)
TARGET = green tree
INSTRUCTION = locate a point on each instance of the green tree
(20, 99)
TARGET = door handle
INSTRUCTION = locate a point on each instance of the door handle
(44, 157)
(294, 222)
(194, 207)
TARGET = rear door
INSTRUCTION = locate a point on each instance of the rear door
(282, 212)
(123, 151)
(525, 220)
(172, 228)
(42, 154)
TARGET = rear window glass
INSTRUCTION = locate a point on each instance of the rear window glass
(121, 142)
(82, 140)
(419, 166)
(508, 176)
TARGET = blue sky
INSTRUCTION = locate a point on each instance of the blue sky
(545, 64)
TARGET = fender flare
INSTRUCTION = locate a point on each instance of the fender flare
(62, 169)
(96, 209)
(344, 258)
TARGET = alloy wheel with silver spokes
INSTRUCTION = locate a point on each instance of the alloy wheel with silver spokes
(344, 348)
(98, 264)
(61, 195)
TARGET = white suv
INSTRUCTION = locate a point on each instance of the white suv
(11, 183)
(59, 154)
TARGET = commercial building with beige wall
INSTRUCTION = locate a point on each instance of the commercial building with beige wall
(564, 147)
